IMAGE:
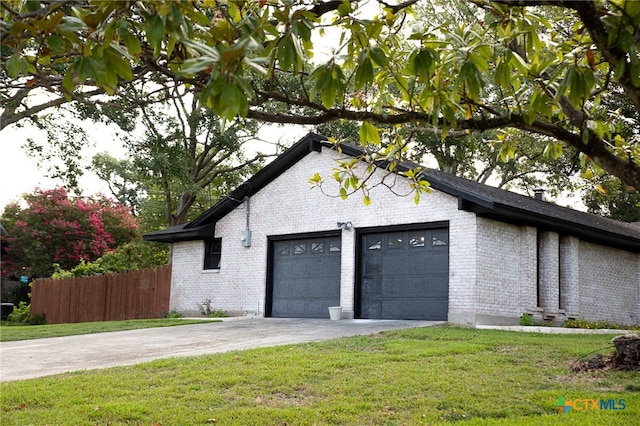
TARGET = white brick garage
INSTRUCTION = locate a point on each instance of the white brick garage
(507, 254)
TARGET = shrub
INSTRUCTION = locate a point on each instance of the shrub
(206, 310)
(21, 315)
(133, 256)
(526, 320)
(172, 314)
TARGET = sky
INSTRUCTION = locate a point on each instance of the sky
(20, 174)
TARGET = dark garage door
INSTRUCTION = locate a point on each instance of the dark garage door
(306, 277)
(405, 275)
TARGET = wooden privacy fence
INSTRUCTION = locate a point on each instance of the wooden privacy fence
(130, 295)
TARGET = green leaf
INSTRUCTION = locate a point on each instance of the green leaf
(507, 151)
(287, 52)
(67, 84)
(154, 28)
(424, 63)
(566, 82)
(369, 134)
(502, 75)
(518, 62)
(345, 8)
(635, 73)
(131, 42)
(119, 65)
(343, 193)
(17, 65)
(316, 179)
(553, 150)
(354, 182)
(479, 61)
(367, 200)
(328, 94)
(71, 24)
(56, 43)
(378, 56)
(329, 79)
(538, 105)
(472, 80)
(620, 68)
(364, 73)
(71, 78)
(195, 65)
(580, 82)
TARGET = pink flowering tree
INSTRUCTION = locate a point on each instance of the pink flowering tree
(55, 229)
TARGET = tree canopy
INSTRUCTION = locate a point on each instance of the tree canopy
(540, 66)
(177, 153)
(55, 229)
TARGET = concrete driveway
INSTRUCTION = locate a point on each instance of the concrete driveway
(42, 357)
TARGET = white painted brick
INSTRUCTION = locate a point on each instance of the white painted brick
(609, 284)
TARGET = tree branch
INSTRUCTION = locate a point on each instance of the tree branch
(9, 116)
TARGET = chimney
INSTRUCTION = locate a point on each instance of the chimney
(539, 194)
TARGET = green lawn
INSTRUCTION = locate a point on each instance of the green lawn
(25, 332)
(440, 375)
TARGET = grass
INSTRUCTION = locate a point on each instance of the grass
(439, 375)
(24, 332)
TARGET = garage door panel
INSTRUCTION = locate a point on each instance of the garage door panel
(432, 309)
(402, 288)
(439, 288)
(305, 289)
(373, 309)
(405, 275)
(306, 277)
(438, 266)
(372, 289)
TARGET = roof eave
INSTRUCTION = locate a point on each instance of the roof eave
(170, 235)
(521, 217)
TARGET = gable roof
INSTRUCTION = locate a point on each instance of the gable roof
(200, 228)
(483, 200)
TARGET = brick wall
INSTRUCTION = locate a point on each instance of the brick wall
(549, 273)
(609, 284)
(569, 279)
(570, 276)
(506, 280)
(288, 206)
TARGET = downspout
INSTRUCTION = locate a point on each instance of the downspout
(246, 234)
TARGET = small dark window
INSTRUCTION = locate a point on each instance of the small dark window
(212, 252)
(317, 248)
(416, 240)
(439, 240)
(283, 250)
(374, 243)
(299, 248)
(395, 241)
(334, 247)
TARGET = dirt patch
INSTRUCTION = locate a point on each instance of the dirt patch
(282, 399)
(625, 357)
